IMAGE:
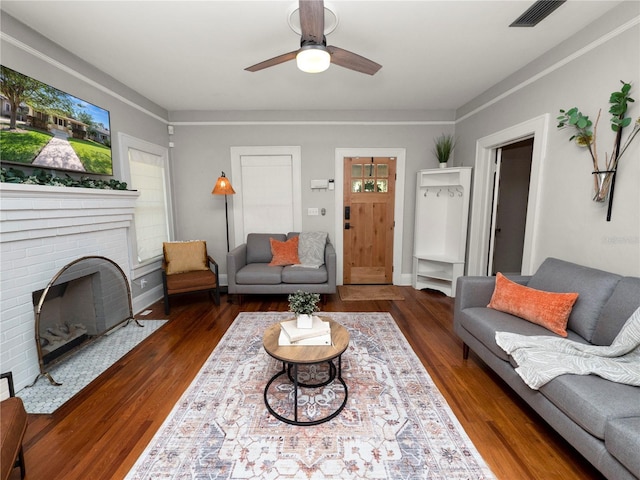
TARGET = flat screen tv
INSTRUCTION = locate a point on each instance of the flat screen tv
(43, 127)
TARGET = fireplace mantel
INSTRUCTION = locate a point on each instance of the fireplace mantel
(36, 211)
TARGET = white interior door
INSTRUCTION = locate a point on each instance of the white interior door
(268, 191)
(494, 210)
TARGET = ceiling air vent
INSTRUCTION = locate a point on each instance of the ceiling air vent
(536, 13)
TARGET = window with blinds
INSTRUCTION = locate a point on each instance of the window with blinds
(149, 177)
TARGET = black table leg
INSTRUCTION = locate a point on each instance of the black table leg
(287, 370)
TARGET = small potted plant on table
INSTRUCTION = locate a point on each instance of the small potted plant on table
(304, 305)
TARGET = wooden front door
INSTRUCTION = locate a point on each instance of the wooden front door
(368, 221)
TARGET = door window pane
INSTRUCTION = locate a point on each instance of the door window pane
(369, 178)
(369, 170)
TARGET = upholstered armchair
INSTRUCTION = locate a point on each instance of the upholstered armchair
(13, 426)
(187, 268)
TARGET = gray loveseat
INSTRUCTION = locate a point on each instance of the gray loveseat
(600, 418)
(248, 269)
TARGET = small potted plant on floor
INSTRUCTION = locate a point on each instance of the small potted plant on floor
(443, 148)
(304, 305)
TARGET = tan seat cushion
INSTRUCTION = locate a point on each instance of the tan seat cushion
(13, 424)
(191, 281)
(185, 256)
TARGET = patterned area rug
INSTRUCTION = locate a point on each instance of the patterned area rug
(349, 293)
(81, 368)
(396, 424)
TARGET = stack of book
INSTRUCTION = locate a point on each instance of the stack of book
(318, 334)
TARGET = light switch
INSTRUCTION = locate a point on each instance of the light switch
(313, 211)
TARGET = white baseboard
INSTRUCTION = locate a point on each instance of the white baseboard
(152, 295)
(147, 298)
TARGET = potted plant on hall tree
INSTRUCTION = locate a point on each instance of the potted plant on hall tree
(304, 305)
(443, 148)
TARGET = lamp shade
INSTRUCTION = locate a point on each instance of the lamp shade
(223, 186)
(313, 59)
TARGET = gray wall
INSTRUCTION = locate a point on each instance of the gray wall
(201, 152)
(28, 52)
(43, 60)
(572, 226)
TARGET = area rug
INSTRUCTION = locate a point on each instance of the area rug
(350, 293)
(81, 368)
(396, 424)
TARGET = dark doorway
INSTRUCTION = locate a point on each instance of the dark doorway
(513, 173)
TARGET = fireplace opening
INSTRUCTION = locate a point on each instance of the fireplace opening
(86, 299)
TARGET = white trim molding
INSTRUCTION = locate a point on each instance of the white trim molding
(125, 142)
(242, 123)
(481, 206)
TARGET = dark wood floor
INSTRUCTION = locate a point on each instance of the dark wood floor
(100, 432)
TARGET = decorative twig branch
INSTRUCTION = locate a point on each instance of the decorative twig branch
(586, 137)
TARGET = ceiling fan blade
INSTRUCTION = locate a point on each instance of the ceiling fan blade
(353, 61)
(312, 21)
(272, 61)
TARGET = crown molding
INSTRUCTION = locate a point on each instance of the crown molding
(38, 54)
(556, 66)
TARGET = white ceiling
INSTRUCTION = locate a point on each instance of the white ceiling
(191, 55)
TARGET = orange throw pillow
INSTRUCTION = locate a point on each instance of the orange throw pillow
(548, 309)
(284, 253)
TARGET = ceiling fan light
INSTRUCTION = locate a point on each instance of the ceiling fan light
(313, 59)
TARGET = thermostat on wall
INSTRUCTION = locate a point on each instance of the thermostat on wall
(319, 184)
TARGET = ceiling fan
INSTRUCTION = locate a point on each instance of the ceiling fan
(314, 55)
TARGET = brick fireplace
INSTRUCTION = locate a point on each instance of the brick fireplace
(42, 229)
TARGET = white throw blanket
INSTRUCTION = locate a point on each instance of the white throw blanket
(542, 358)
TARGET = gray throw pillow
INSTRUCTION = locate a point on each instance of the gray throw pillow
(311, 247)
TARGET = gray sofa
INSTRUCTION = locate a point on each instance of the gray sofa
(601, 419)
(248, 269)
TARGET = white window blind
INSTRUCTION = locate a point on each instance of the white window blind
(267, 193)
(148, 176)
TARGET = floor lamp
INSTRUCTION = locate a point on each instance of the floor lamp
(223, 187)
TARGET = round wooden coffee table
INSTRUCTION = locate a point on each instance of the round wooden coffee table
(293, 356)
